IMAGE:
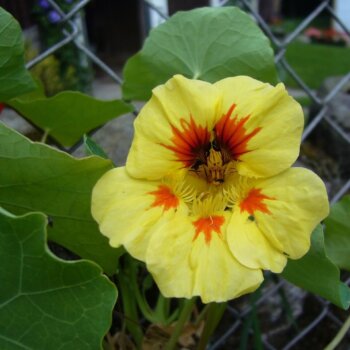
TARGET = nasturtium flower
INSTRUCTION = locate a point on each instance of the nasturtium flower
(208, 198)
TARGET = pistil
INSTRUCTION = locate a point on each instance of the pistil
(215, 169)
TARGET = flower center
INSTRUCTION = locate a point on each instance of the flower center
(215, 167)
(212, 154)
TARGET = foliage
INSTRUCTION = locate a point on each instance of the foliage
(14, 78)
(81, 113)
(92, 148)
(58, 185)
(319, 270)
(225, 44)
(337, 235)
(45, 300)
(318, 274)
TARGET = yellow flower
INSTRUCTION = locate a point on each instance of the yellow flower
(207, 198)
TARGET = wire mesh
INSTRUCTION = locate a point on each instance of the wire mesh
(70, 33)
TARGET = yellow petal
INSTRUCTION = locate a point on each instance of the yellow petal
(249, 245)
(168, 257)
(274, 123)
(300, 203)
(218, 275)
(171, 126)
(185, 264)
(127, 209)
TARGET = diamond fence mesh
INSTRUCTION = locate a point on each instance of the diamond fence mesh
(277, 297)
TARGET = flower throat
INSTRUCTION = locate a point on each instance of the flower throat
(214, 165)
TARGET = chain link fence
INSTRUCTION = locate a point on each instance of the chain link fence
(305, 314)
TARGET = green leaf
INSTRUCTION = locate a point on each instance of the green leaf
(15, 80)
(36, 177)
(46, 302)
(92, 148)
(337, 233)
(207, 43)
(316, 273)
(68, 115)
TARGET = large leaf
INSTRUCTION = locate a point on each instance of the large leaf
(15, 80)
(337, 234)
(36, 177)
(45, 302)
(208, 44)
(68, 115)
(316, 273)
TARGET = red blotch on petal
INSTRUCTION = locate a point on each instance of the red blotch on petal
(165, 198)
(254, 202)
(208, 225)
(189, 142)
(232, 135)
(2, 106)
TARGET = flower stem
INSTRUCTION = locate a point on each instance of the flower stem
(202, 315)
(214, 314)
(184, 315)
(340, 335)
(45, 135)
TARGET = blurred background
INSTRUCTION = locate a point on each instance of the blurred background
(311, 41)
(115, 30)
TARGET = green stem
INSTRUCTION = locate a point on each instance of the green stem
(340, 335)
(129, 306)
(286, 307)
(162, 309)
(202, 315)
(250, 319)
(140, 299)
(184, 315)
(257, 332)
(45, 135)
(214, 313)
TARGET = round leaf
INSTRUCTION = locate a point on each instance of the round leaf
(46, 302)
(207, 43)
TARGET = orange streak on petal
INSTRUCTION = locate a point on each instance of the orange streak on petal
(165, 198)
(223, 128)
(188, 142)
(208, 225)
(254, 202)
(232, 134)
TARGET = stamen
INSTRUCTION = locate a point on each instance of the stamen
(214, 170)
(207, 204)
(179, 186)
(236, 189)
